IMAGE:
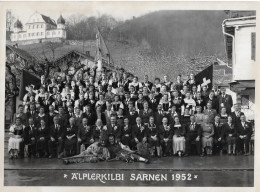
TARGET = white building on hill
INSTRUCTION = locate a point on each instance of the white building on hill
(39, 27)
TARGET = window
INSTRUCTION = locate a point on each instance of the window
(59, 32)
(24, 35)
(253, 40)
(29, 27)
(20, 36)
(41, 33)
(53, 33)
(48, 33)
(33, 26)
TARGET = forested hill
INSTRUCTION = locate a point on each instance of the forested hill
(182, 32)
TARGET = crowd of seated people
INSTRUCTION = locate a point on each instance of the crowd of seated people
(62, 117)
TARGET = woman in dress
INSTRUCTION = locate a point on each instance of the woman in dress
(117, 104)
(207, 135)
(21, 115)
(15, 139)
(70, 142)
(101, 102)
(139, 104)
(199, 115)
(42, 137)
(230, 133)
(178, 137)
(166, 104)
(223, 116)
(136, 84)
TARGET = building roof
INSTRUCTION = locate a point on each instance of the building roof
(48, 20)
(23, 54)
(61, 20)
(18, 24)
(75, 52)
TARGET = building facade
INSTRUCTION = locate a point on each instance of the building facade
(39, 27)
(240, 39)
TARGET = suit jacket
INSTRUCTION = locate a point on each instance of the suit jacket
(163, 133)
(57, 132)
(227, 101)
(139, 133)
(63, 120)
(153, 104)
(115, 130)
(29, 133)
(132, 117)
(244, 130)
(218, 131)
(235, 118)
(85, 133)
(78, 120)
(192, 130)
(29, 114)
(90, 117)
(145, 115)
(158, 117)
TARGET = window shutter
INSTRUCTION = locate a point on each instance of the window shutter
(253, 41)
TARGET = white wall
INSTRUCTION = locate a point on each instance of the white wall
(244, 68)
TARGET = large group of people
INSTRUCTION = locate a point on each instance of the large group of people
(65, 117)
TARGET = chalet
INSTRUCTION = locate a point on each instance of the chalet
(240, 40)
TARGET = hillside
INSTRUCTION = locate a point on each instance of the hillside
(163, 42)
(182, 32)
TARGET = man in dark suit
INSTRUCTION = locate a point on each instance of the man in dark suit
(89, 115)
(218, 136)
(193, 133)
(51, 115)
(63, 117)
(131, 114)
(114, 129)
(29, 138)
(165, 135)
(244, 131)
(32, 113)
(84, 135)
(55, 144)
(139, 133)
(159, 115)
(236, 114)
(153, 102)
(225, 100)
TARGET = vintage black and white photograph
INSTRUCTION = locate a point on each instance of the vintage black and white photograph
(117, 96)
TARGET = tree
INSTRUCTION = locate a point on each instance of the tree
(10, 19)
